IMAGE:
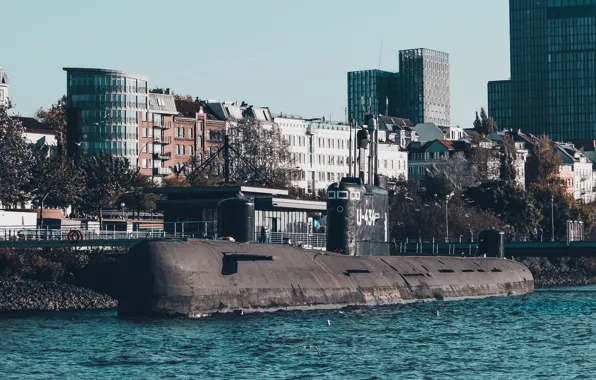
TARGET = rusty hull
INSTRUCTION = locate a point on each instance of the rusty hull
(198, 278)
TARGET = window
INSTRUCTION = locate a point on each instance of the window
(191, 150)
(144, 134)
(144, 150)
(190, 133)
(144, 163)
(200, 142)
(160, 102)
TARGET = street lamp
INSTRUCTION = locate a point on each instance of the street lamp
(552, 217)
(447, 198)
(122, 205)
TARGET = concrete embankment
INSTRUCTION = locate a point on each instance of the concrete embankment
(198, 278)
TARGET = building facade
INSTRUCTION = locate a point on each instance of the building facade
(4, 85)
(499, 103)
(103, 112)
(372, 92)
(321, 152)
(553, 67)
(424, 93)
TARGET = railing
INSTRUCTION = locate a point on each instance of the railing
(162, 156)
(149, 230)
(162, 140)
(162, 171)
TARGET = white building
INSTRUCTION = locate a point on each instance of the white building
(4, 84)
(321, 150)
(583, 175)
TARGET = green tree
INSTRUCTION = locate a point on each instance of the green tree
(513, 206)
(15, 160)
(544, 163)
(107, 178)
(55, 117)
(55, 180)
(484, 124)
(508, 156)
(136, 199)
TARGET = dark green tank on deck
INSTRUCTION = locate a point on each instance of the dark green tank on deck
(236, 218)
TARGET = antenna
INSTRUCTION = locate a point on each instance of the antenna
(380, 53)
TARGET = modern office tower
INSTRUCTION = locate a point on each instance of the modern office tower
(424, 86)
(499, 103)
(103, 112)
(372, 92)
(553, 65)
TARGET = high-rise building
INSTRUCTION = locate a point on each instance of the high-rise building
(500, 102)
(4, 84)
(372, 92)
(553, 65)
(424, 86)
(103, 112)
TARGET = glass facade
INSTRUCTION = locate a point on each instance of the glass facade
(424, 93)
(553, 62)
(499, 103)
(108, 104)
(368, 91)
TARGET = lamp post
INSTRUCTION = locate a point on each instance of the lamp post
(552, 217)
(122, 205)
(447, 198)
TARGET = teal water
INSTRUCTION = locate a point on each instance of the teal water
(550, 333)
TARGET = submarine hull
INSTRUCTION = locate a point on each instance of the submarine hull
(198, 278)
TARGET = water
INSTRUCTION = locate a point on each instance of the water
(551, 333)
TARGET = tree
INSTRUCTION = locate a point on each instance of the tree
(56, 119)
(55, 180)
(106, 179)
(413, 214)
(544, 163)
(484, 124)
(136, 199)
(508, 156)
(513, 206)
(15, 160)
(259, 154)
(453, 175)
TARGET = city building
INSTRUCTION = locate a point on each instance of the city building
(321, 151)
(4, 85)
(155, 136)
(402, 130)
(431, 131)
(38, 133)
(372, 92)
(583, 175)
(553, 68)
(500, 103)
(423, 155)
(103, 112)
(423, 91)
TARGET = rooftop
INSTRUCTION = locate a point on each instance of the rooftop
(104, 71)
(32, 125)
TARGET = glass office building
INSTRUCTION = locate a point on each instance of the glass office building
(424, 93)
(103, 112)
(368, 92)
(499, 103)
(553, 62)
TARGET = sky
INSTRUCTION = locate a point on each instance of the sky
(291, 56)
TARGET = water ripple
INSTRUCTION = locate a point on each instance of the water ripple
(549, 334)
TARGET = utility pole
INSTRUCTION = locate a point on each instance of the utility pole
(447, 216)
(552, 217)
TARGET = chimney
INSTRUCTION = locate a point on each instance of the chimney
(168, 91)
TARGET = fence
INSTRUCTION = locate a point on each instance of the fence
(148, 230)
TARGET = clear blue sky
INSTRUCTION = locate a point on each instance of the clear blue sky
(291, 56)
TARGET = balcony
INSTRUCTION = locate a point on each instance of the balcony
(162, 125)
(162, 140)
(162, 171)
(162, 156)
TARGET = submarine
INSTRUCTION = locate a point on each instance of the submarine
(198, 278)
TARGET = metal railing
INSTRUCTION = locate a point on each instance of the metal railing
(147, 230)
